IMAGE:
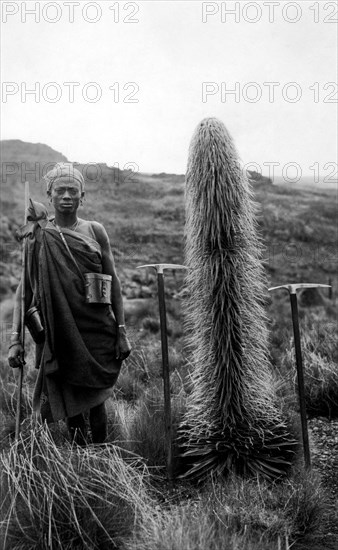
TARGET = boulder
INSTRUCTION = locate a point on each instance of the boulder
(310, 297)
(145, 292)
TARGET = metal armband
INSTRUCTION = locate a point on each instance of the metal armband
(34, 324)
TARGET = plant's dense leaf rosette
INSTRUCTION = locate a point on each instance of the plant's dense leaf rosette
(232, 421)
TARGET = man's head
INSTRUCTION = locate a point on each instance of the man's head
(65, 187)
(63, 171)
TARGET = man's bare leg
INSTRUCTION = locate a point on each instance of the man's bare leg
(98, 423)
(77, 429)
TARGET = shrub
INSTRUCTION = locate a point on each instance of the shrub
(152, 324)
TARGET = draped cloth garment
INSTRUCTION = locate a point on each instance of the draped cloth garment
(77, 363)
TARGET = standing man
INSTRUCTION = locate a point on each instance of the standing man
(85, 343)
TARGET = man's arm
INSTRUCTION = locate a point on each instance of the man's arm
(108, 267)
(15, 351)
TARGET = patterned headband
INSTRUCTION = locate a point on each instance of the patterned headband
(63, 170)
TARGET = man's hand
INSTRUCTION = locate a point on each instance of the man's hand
(123, 347)
(15, 356)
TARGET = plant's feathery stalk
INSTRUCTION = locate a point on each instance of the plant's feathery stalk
(231, 422)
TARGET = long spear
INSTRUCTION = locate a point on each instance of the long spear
(22, 318)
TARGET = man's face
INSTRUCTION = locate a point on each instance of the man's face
(66, 195)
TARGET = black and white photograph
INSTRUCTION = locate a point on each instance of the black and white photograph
(168, 275)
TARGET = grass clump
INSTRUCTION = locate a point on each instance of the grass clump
(8, 404)
(236, 514)
(133, 378)
(320, 378)
(127, 387)
(146, 431)
(68, 497)
(65, 497)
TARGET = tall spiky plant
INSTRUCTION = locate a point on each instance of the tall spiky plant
(232, 422)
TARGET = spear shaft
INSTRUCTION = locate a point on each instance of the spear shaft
(22, 323)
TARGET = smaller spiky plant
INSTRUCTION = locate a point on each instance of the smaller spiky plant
(232, 422)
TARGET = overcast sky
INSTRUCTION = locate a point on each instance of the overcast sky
(159, 67)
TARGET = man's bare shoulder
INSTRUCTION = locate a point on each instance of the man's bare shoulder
(96, 227)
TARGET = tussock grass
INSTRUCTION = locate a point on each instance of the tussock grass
(320, 377)
(321, 388)
(9, 396)
(237, 514)
(8, 403)
(100, 498)
(146, 429)
(133, 378)
(320, 335)
(65, 498)
(9, 392)
(128, 387)
(120, 414)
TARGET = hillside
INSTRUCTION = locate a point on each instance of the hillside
(144, 217)
(144, 214)
(15, 150)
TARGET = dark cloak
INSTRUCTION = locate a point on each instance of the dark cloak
(77, 360)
